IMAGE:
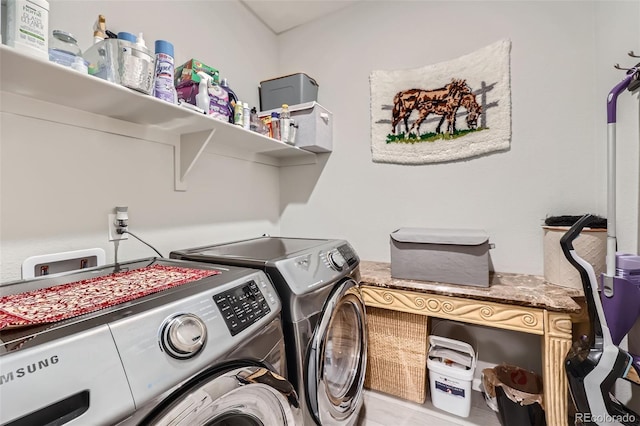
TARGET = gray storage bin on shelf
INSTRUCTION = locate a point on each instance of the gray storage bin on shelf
(456, 256)
(291, 89)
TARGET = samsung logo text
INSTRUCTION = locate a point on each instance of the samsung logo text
(34, 367)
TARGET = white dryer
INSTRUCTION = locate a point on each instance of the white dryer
(323, 312)
(210, 351)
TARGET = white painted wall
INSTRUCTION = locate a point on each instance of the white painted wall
(561, 71)
(59, 182)
(549, 169)
(561, 66)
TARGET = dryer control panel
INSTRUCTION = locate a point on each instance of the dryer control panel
(348, 254)
(317, 266)
(242, 306)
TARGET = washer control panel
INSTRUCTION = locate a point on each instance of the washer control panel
(242, 306)
(183, 336)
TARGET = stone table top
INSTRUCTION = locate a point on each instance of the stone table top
(508, 288)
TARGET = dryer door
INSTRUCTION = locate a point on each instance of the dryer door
(338, 358)
(248, 396)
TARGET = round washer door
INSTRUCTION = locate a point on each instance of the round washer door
(338, 358)
(248, 396)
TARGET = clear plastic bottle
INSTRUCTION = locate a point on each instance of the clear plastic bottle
(254, 121)
(246, 114)
(275, 125)
(238, 116)
(285, 120)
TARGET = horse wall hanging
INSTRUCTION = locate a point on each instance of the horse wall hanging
(443, 112)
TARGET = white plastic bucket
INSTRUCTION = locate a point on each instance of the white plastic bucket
(451, 365)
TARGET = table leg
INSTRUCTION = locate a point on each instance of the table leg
(556, 345)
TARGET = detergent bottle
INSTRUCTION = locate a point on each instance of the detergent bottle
(203, 101)
(233, 99)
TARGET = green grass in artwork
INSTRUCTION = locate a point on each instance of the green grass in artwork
(430, 137)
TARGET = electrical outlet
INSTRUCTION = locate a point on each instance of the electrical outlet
(44, 270)
(113, 229)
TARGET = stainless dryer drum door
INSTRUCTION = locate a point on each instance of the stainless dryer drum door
(338, 358)
(249, 396)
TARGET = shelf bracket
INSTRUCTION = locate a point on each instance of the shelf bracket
(186, 153)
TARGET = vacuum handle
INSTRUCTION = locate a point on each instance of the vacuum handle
(566, 242)
(612, 98)
(583, 267)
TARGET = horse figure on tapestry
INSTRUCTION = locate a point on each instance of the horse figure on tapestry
(406, 101)
(448, 109)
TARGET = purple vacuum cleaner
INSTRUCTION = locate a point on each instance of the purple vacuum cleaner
(621, 282)
(621, 299)
(595, 363)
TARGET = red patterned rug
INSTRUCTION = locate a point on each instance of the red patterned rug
(65, 301)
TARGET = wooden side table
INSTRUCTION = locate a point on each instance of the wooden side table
(513, 302)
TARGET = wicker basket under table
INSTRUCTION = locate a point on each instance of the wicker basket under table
(397, 355)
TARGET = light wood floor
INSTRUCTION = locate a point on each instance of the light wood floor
(384, 410)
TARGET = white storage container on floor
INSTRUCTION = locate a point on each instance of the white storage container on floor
(451, 365)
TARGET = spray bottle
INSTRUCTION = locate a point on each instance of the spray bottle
(163, 87)
(100, 29)
(203, 101)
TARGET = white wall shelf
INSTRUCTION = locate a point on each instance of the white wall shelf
(29, 86)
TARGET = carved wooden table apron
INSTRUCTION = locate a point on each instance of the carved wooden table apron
(522, 303)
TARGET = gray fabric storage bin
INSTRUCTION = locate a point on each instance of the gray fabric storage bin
(456, 256)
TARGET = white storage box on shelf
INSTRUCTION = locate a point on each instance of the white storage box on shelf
(451, 364)
(315, 126)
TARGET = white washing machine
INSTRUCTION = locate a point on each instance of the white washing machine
(323, 312)
(210, 351)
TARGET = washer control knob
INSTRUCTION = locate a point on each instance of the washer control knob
(183, 336)
(336, 260)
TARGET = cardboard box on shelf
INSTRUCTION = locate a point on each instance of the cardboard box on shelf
(189, 72)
